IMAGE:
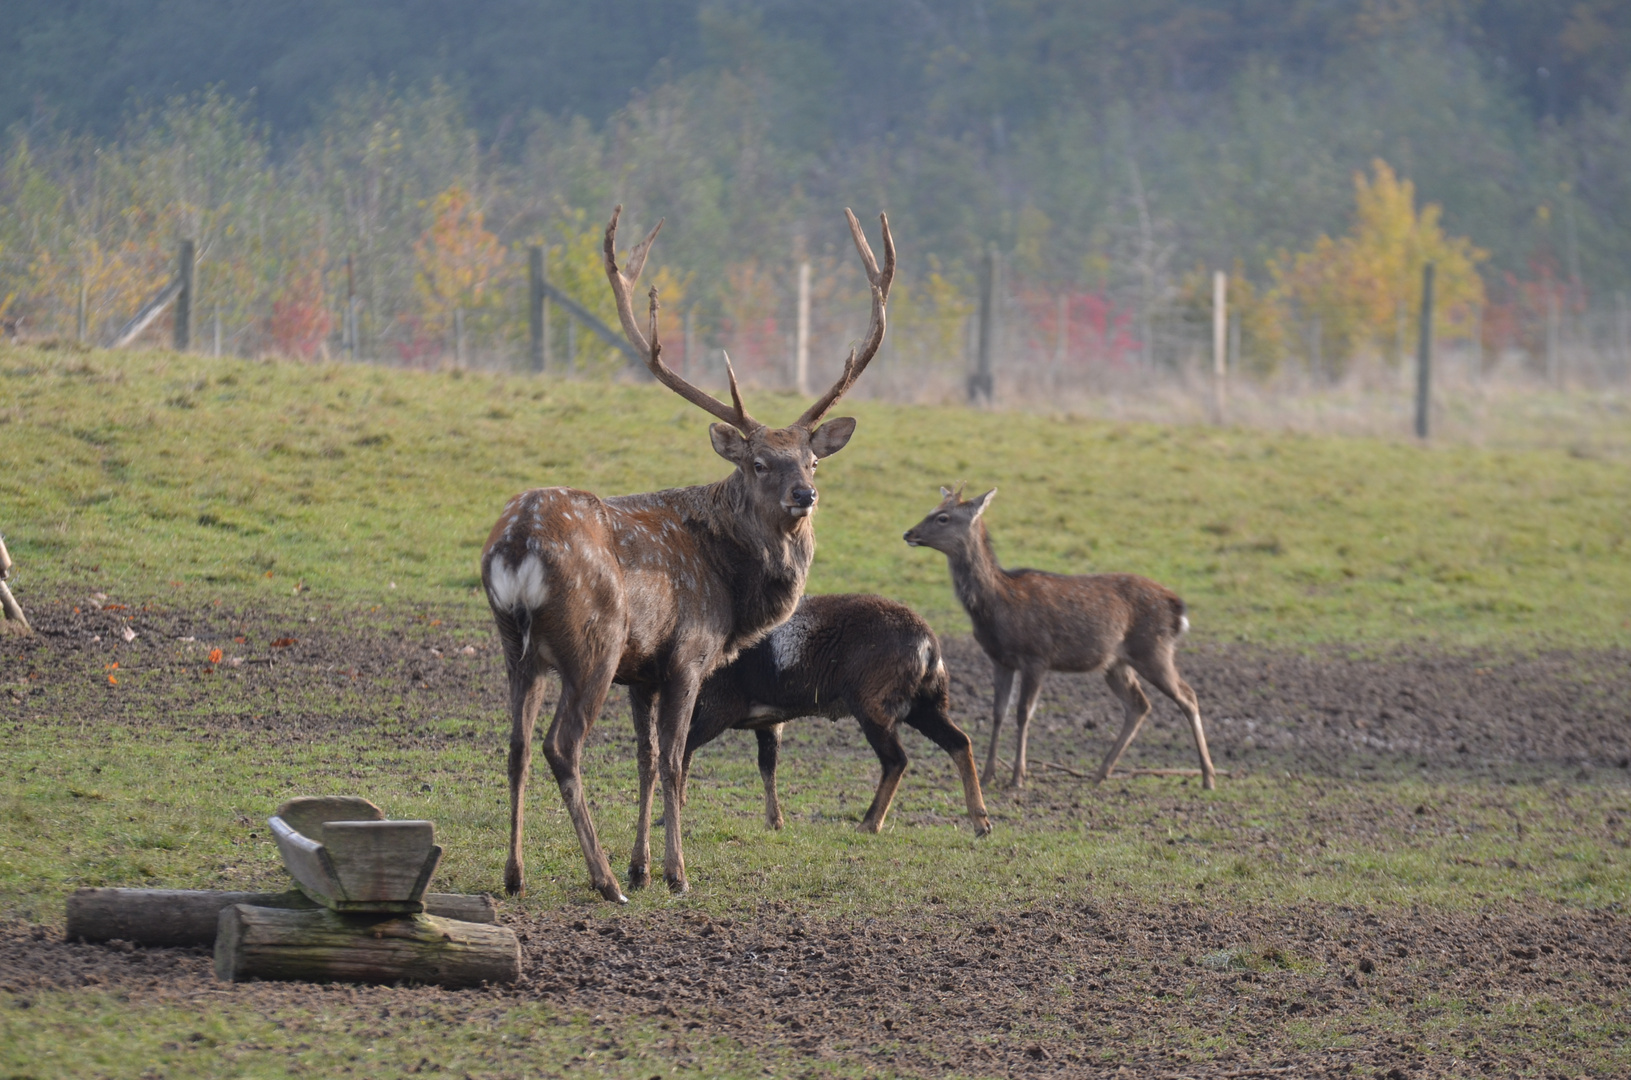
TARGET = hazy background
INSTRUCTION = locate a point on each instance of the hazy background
(1110, 153)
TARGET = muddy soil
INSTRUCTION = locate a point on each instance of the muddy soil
(305, 669)
(1064, 991)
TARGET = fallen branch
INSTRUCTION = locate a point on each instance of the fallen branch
(150, 311)
(1118, 772)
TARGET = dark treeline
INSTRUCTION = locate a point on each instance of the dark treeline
(1113, 146)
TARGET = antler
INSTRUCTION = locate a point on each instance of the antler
(857, 362)
(651, 350)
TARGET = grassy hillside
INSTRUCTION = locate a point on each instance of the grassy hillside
(156, 476)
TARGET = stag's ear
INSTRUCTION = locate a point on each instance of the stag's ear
(981, 503)
(832, 436)
(729, 443)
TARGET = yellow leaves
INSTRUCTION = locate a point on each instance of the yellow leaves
(1363, 290)
(458, 257)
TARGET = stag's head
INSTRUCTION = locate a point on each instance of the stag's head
(949, 526)
(775, 466)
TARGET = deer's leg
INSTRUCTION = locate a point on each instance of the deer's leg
(1135, 707)
(642, 708)
(892, 756)
(1165, 678)
(678, 698)
(770, 744)
(999, 707)
(581, 701)
(930, 718)
(1030, 687)
(527, 679)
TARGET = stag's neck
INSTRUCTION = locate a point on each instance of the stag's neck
(975, 574)
(764, 567)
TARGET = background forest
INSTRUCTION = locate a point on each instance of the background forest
(1110, 154)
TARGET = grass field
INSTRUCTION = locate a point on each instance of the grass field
(233, 478)
(228, 503)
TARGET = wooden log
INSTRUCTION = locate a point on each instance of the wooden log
(319, 945)
(190, 917)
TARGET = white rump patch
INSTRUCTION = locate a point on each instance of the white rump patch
(925, 650)
(787, 642)
(1183, 624)
(522, 586)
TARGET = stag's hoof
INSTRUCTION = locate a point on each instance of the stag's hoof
(514, 885)
(678, 886)
(982, 827)
(639, 876)
(612, 893)
(1209, 783)
(773, 823)
(869, 827)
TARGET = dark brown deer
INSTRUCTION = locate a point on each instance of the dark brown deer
(655, 591)
(1033, 622)
(860, 656)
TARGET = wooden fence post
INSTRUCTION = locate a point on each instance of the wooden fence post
(185, 266)
(1220, 341)
(801, 341)
(1061, 342)
(1424, 354)
(83, 322)
(458, 337)
(536, 307)
(980, 383)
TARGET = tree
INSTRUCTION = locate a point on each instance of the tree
(1364, 289)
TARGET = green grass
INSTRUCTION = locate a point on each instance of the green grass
(148, 473)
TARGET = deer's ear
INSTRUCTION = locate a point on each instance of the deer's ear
(831, 437)
(981, 503)
(729, 443)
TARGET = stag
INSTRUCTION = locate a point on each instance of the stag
(655, 591)
(860, 656)
(1033, 622)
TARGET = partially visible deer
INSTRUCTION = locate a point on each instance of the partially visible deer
(656, 591)
(1033, 622)
(860, 656)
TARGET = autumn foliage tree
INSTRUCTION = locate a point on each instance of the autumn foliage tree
(459, 260)
(1362, 291)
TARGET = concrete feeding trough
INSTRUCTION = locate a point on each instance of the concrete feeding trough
(344, 855)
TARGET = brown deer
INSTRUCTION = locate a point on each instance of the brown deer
(1033, 622)
(655, 591)
(860, 656)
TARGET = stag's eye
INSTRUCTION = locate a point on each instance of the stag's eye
(944, 519)
(759, 467)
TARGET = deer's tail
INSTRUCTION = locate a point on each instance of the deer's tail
(1180, 620)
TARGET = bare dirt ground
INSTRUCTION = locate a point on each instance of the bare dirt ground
(1058, 990)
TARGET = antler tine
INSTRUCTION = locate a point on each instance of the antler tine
(651, 350)
(881, 280)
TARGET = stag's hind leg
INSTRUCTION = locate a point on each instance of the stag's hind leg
(1135, 707)
(527, 682)
(1030, 687)
(1163, 675)
(642, 710)
(770, 744)
(581, 701)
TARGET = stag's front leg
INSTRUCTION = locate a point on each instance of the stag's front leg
(678, 698)
(563, 746)
(527, 682)
(643, 711)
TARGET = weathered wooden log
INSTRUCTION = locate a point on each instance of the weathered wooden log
(190, 917)
(319, 945)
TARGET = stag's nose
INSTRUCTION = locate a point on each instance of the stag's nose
(804, 497)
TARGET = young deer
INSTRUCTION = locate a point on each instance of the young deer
(1034, 622)
(860, 656)
(655, 591)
